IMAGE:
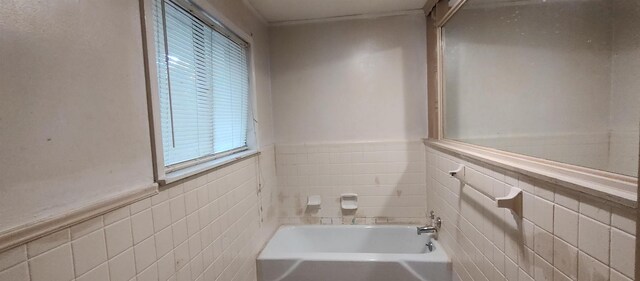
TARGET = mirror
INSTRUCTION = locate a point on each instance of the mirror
(554, 79)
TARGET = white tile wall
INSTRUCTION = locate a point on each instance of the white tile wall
(89, 251)
(211, 227)
(564, 235)
(389, 178)
(207, 228)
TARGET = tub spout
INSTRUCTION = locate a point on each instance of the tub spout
(427, 229)
(433, 228)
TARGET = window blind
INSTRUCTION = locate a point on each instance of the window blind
(203, 82)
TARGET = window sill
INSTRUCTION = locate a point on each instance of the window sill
(609, 186)
(177, 175)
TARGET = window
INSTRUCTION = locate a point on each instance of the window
(203, 83)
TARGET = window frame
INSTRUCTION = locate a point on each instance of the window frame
(616, 188)
(175, 172)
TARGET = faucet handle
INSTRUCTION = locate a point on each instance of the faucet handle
(432, 215)
(430, 246)
(437, 223)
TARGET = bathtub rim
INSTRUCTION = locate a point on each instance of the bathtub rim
(438, 255)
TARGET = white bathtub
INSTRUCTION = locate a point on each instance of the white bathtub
(352, 253)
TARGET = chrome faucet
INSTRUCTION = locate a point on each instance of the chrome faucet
(430, 246)
(436, 223)
(427, 229)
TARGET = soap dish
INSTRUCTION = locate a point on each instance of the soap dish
(349, 201)
(314, 201)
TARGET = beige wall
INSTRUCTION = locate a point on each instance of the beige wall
(73, 116)
(60, 82)
(354, 80)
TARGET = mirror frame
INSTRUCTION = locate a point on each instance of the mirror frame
(617, 188)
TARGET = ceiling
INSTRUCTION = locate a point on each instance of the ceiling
(275, 11)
